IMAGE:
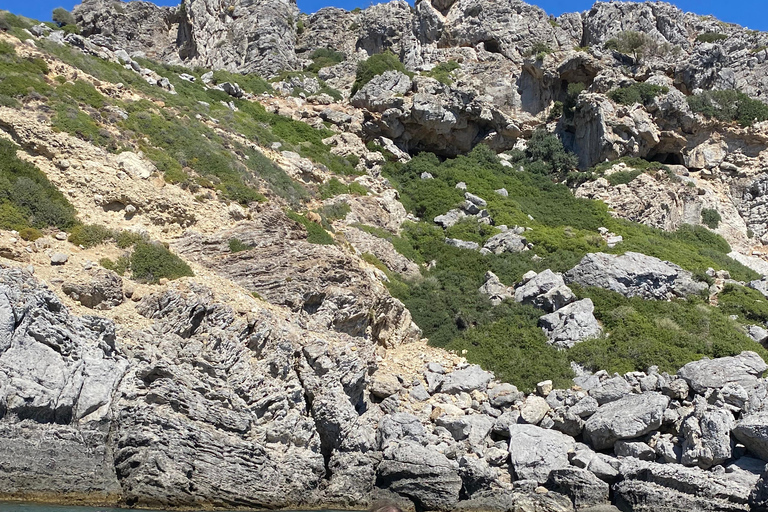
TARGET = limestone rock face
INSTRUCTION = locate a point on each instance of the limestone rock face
(319, 282)
(245, 36)
(101, 289)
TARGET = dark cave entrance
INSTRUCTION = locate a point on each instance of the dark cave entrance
(667, 158)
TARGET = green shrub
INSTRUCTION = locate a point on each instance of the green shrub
(749, 305)
(119, 266)
(27, 198)
(90, 235)
(83, 92)
(539, 49)
(335, 211)
(442, 72)
(30, 234)
(623, 177)
(547, 151)
(729, 105)
(641, 92)
(376, 65)
(334, 187)
(667, 334)
(151, 262)
(637, 44)
(710, 37)
(710, 218)
(315, 232)
(249, 83)
(74, 121)
(324, 57)
(62, 17)
(236, 245)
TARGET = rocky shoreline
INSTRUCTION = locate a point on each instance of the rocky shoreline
(210, 409)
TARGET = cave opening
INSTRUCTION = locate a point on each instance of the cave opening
(492, 46)
(668, 158)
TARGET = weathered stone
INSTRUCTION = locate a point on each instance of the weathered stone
(582, 486)
(634, 275)
(466, 380)
(102, 289)
(571, 324)
(626, 418)
(534, 451)
(705, 374)
(545, 290)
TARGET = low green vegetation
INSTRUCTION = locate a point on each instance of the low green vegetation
(729, 105)
(540, 50)
(376, 65)
(638, 44)
(334, 187)
(236, 245)
(316, 234)
(443, 72)
(445, 301)
(323, 58)
(27, 198)
(249, 83)
(641, 92)
(667, 334)
(710, 218)
(711, 37)
(152, 261)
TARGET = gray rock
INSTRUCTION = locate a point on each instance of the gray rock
(533, 409)
(752, 430)
(626, 418)
(707, 438)
(522, 500)
(476, 200)
(426, 176)
(705, 374)
(504, 395)
(400, 426)
(581, 486)
(59, 258)
(758, 333)
(232, 89)
(466, 380)
(758, 498)
(102, 289)
(610, 390)
(585, 407)
(571, 324)
(534, 451)
(506, 242)
(450, 219)
(420, 473)
(335, 116)
(502, 192)
(636, 449)
(473, 428)
(650, 486)
(383, 92)
(634, 275)
(545, 290)
(496, 291)
(462, 244)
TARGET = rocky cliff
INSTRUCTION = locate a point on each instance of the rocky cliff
(227, 228)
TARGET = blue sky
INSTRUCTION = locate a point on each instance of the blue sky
(749, 13)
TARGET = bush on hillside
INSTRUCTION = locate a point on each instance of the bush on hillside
(642, 92)
(711, 37)
(729, 105)
(710, 218)
(151, 261)
(62, 17)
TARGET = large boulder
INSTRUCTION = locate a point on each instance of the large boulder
(506, 242)
(571, 324)
(634, 275)
(466, 380)
(545, 290)
(582, 486)
(752, 431)
(420, 473)
(101, 289)
(496, 291)
(535, 451)
(707, 437)
(649, 486)
(627, 418)
(383, 92)
(743, 369)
